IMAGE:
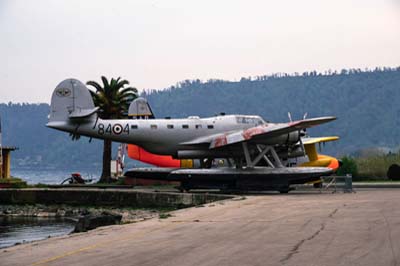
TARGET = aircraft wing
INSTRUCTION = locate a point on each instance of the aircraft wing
(308, 140)
(265, 131)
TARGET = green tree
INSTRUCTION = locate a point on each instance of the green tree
(113, 98)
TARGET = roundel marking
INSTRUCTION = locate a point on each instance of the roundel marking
(117, 129)
(63, 92)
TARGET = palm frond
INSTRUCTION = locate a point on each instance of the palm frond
(122, 83)
(113, 98)
(130, 90)
(95, 85)
(105, 82)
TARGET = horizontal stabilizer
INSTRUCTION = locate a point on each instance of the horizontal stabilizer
(82, 113)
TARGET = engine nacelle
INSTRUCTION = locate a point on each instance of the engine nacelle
(286, 139)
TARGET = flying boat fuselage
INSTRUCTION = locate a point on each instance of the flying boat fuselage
(168, 136)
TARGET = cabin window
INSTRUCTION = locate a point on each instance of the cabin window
(198, 126)
(249, 120)
(185, 126)
(210, 126)
(134, 126)
(153, 126)
(258, 121)
(170, 126)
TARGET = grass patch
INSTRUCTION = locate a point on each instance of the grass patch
(164, 215)
(375, 167)
(368, 168)
(12, 182)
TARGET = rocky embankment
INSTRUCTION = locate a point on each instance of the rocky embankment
(86, 218)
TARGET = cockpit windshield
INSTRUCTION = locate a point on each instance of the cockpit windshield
(252, 120)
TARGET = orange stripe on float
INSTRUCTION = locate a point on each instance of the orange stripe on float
(137, 153)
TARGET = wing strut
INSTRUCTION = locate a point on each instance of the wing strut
(263, 150)
(249, 163)
(259, 148)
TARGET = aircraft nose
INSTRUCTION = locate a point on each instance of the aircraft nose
(334, 164)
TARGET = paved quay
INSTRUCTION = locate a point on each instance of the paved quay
(300, 228)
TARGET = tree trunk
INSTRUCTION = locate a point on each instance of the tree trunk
(106, 172)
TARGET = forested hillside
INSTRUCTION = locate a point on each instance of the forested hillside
(365, 102)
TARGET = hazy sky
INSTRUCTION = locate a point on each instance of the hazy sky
(155, 44)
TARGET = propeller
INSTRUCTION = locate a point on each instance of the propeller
(304, 130)
(290, 116)
(303, 133)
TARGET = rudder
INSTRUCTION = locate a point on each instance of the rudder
(71, 99)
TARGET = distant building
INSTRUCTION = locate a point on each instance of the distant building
(5, 158)
(5, 161)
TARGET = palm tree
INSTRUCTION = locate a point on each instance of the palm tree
(113, 98)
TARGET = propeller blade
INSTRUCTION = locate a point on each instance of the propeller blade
(290, 116)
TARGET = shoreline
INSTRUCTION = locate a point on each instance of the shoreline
(82, 219)
(129, 215)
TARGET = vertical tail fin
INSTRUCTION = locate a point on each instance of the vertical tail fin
(71, 99)
(140, 108)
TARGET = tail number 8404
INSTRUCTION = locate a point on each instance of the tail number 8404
(115, 129)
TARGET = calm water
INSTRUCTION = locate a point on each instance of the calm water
(45, 176)
(15, 230)
(26, 229)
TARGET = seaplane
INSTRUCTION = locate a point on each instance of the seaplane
(255, 150)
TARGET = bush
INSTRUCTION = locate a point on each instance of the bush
(349, 166)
